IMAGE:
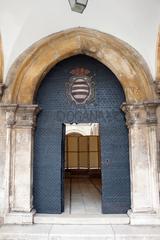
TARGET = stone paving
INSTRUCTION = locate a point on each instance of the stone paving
(78, 232)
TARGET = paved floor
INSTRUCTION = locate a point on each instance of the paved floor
(78, 232)
(82, 195)
(82, 198)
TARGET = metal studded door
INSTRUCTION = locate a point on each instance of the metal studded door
(62, 165)
(82, 90)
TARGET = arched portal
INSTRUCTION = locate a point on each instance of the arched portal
(57, 108)
(125, 62)
(23, 81)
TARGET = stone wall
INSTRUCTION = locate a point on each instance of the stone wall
(23, 82)
(3, 139)
(25, 22)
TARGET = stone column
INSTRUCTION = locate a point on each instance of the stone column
(9, 122)
(142, 123)
(20, 153)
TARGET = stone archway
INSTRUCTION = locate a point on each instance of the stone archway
(26, 73)
(22, 83)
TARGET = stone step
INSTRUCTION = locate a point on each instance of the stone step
(78, 232)
(81, 219)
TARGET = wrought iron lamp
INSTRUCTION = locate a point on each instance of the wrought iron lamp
(78, 5)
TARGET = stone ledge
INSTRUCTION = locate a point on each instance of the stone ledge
(144, 218)
(19, 218)
(70, 232)
(81, 219)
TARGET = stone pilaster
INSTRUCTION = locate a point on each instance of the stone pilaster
(141, 120)
(10, 111)
(22, 157)
(20, 124)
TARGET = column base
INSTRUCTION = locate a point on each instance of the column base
(19, 217)
(144, 218)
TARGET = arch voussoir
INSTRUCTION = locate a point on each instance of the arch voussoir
(26, 73)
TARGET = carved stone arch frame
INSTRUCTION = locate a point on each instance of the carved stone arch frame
(23, 80)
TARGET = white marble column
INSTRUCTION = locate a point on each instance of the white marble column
(142, 124)
(20, 153)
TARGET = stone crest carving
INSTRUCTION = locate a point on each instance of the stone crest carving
(81, 88)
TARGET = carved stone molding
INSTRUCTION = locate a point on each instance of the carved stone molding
(20, 115)
(26, 115)
(26, 73)
(142, 113)
(10, 111)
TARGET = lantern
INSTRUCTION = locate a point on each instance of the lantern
(78, 5)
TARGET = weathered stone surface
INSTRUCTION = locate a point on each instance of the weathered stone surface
(26, 73)
(16, 162)
(142, 124)
(79, 232)
(18, 119)
(2, 161)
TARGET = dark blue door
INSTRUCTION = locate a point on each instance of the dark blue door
(62, 165)
(65, 98)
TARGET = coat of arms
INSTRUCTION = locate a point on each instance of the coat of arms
(81, 88)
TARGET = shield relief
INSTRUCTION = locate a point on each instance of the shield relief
(80, 88)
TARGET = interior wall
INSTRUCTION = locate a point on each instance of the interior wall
(82, 152)
(24, 22)
(84, 129)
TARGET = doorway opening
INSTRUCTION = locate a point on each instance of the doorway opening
(82, 178)
(55, 98)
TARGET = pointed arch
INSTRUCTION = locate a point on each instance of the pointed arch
(126, 63)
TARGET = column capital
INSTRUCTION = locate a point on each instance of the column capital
(26, 115)
(140, 113)
(10, 110)
(20, 115)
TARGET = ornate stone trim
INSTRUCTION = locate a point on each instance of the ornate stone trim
(10, 110)
(20, 115)
(27, 71)
(26, 115)
(142, 113)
